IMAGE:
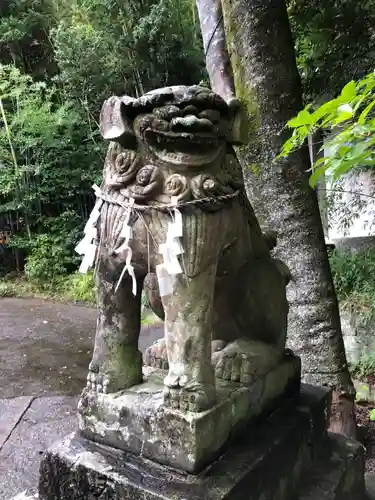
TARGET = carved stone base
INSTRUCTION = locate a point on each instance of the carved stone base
(137, 421)
(287, 456)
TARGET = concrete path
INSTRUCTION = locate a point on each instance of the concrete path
(45, 349)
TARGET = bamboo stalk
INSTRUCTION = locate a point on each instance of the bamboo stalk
(7, 130)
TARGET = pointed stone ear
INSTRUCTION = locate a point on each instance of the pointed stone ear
(114, 124)
(239, 131)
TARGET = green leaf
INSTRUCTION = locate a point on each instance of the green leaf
(342, 117)
(349, 92)
(328, 108)
(372, 415)
(343, 150)
(358, 149)
(304, 117)
(317, 173)
(365, 112)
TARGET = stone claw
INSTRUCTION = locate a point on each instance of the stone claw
(242, 359)
(94, 382)
(194, 397)
(98, 383)
(156, 355)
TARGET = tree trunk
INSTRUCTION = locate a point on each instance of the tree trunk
(217, 57)
(266, 80)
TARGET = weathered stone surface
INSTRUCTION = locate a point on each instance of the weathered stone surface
(358, 334)
(370, 486)
(266, 463)
(26, 495)
(338, 473)
(173, 150)
(137, 420)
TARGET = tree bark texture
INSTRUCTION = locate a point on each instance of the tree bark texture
(217, 57)
(266, 80)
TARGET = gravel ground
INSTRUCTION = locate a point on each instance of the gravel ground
(45, 347)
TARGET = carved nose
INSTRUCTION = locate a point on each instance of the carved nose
(191, 123)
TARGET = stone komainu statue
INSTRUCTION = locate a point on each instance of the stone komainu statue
(226, 313)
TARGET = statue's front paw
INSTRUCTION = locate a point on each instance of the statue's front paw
(115, 372)
(96, 382)
(193, 396)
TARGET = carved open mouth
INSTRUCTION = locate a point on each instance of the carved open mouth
(182, 141)
(184, 136)
(183, 147)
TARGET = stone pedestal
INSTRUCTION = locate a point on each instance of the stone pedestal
(288, 456)
(136, 420)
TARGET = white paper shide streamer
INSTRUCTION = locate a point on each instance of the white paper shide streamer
(87, 246)
(170, 250)
(126, 233)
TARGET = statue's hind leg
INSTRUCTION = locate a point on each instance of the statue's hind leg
(261, 323)
(116, 362)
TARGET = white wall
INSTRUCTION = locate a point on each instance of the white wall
(354, 201)
(351, 202)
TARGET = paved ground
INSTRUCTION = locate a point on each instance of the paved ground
(45, 349)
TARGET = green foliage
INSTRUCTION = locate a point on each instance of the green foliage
(334, 43)
(111, 47)
(351, 117)
(365, 366)
(78, 288)
(24, 35)
(17, 288)
(353, 272)
(48, 166)
(58, 61)
(354, 278)
(372, 415)
(74, 287)
(51, 253)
